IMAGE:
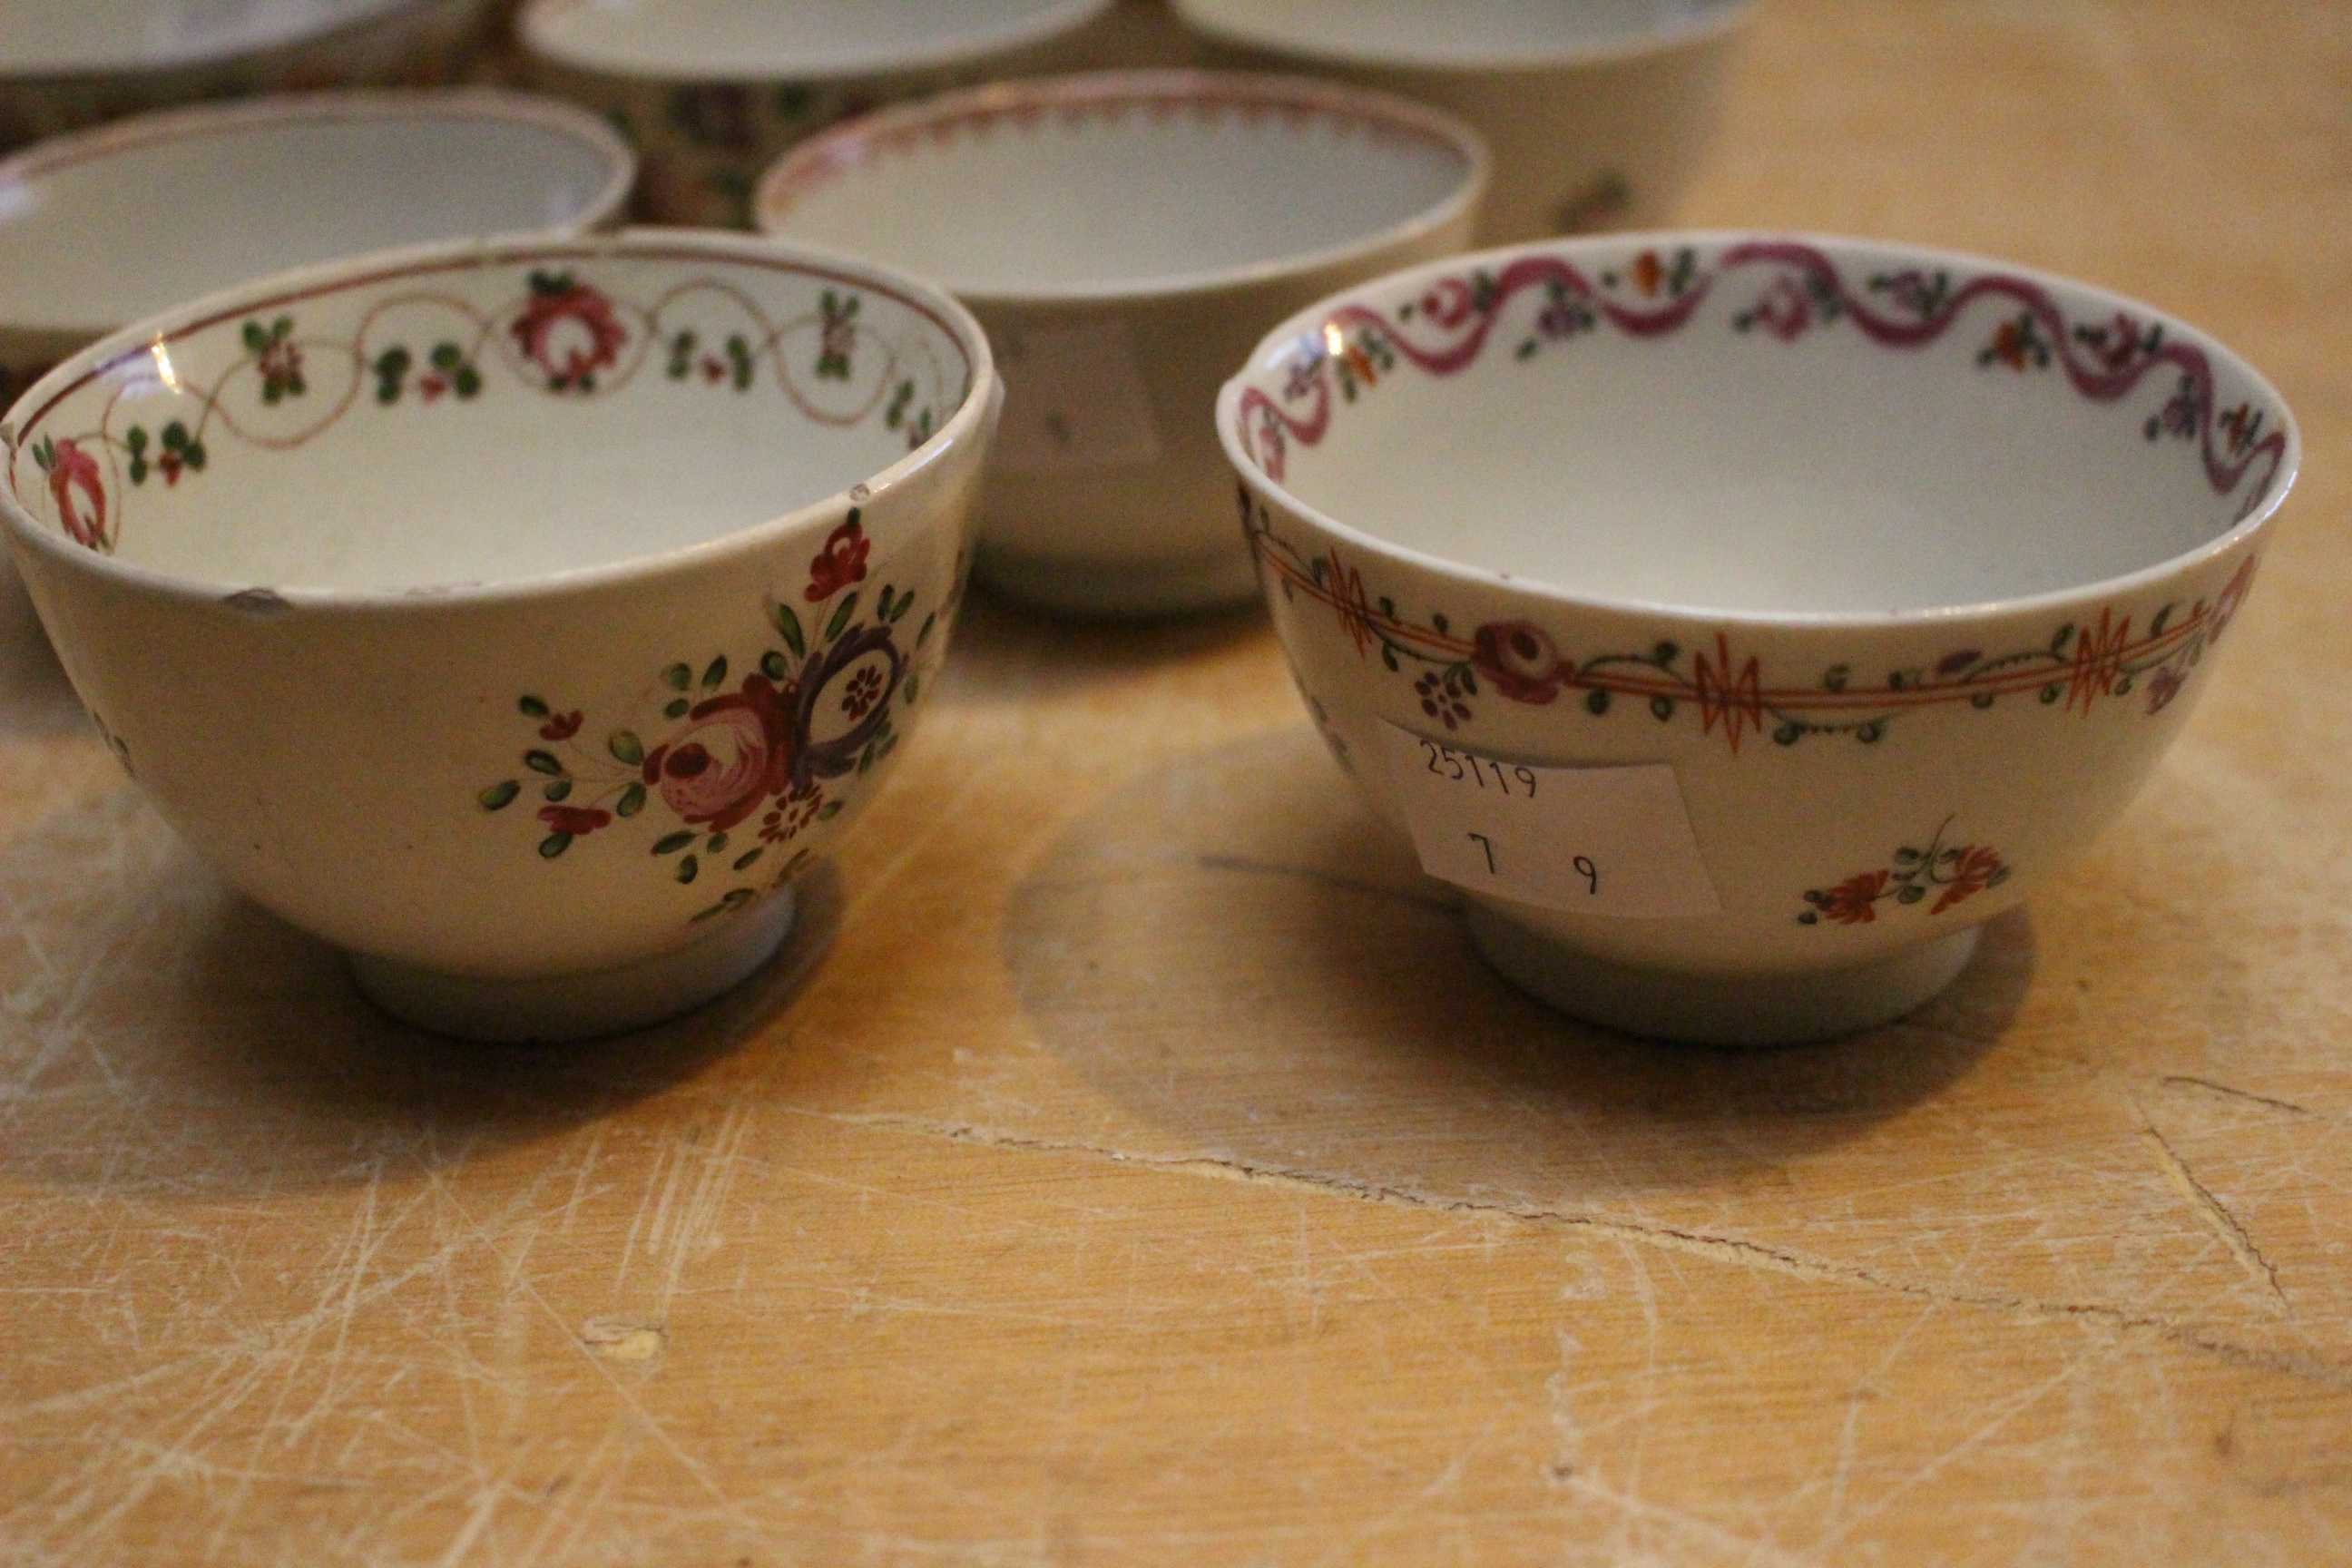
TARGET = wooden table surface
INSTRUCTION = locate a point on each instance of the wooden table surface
(1146, 1172)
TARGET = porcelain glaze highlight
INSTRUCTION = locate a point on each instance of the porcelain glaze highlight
(1971, 534)
(434, 595)
(1115, 323)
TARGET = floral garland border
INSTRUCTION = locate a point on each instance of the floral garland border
(2081, 662)
(565, 336)
(1658, 294)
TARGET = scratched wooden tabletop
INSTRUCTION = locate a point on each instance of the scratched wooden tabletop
(1138, 1167)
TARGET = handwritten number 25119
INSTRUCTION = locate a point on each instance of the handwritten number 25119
(1469, 767)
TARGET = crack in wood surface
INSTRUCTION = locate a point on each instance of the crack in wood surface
(2184, 1080)
(1732, 1249)
(2214, 1212)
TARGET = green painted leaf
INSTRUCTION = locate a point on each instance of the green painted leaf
(923, 635)
(135, 439)
(195, 456)
(678, 677)
(445, 356)
(830, 810)
(746, 861)
(911, 689)
(254, 338)
(675, 842)
(175, 437)
(899, 611)
(717, 842)
(1596, 700)
(499, 796)
(555, 844)
(558, 789)
(632, 801)
(541, 761)
(882, 604)
(772, 664)
(840, 617)
(787, 625)
(677, 709)
(714, 673)
(533, 708)
(688, 869)
(1662, 708)
(626, 747)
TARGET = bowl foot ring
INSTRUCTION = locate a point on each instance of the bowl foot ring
(1721, 1009)
(582, 1006)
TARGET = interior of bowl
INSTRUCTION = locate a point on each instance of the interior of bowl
(46, 38)
(106, 227)
(1122, 181)
(1464, 33)
(487, 415)
(758, 39)
(1762, 425)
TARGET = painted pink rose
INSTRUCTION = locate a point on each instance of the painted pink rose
(569, 330)
(1518, 659)
(80, 494)
(735, 752)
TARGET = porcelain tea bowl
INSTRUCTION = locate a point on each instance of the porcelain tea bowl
(1738, 621)
(66, 64)
(518, 615)
(1597, 111)
(1138, 232)
(712, 90)
(346, 173)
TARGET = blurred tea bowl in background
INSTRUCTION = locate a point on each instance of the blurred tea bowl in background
(1741, 620)
(104, 227)
(1138, 232)
(518, 615)
(66, 64)
(712, 90)
(1597, 111)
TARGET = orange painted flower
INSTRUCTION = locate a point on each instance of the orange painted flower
(1977, 868)
(1854, 901)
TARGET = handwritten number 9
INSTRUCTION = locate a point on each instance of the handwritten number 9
(1526, 777)
(1590, 872)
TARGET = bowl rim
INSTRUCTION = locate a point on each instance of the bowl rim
(1463, 574)
(1635, 44)
(854, 146)
(539, 34)
(982, 392)
(325, 26)
(475, 105)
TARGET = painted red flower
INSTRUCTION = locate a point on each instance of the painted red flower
(568, 330)
(735, 752)
(573, 820)
(1977, 868)
(841, 563)
(78, 493)
(1854, 901)
(561, 726)
(1784, 310)
(1519, 659)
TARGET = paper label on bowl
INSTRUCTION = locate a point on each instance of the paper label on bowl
(1611, 841)
(1073, 399)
